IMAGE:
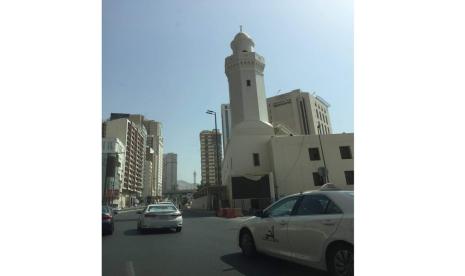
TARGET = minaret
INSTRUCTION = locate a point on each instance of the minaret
(247, 157)
(244, 69)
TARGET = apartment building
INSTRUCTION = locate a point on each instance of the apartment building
(210, 151)
(133, 137)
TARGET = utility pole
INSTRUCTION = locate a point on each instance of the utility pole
(216, 147)
(217, 171)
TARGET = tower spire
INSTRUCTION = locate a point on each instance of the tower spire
(240, 28)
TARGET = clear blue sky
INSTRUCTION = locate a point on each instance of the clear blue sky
(165, 60)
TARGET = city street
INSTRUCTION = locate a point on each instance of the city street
(206, 246)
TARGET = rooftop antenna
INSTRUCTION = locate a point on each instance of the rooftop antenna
(278, 91)
(240, 28)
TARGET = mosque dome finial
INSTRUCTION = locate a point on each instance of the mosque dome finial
(242, 42)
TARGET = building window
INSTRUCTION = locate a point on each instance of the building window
(248, 82)
(317, 179)
(314, 154)
(349, 177)
(346, 153)
(256, 160)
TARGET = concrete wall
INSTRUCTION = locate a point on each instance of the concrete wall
(200, 203)
(293, 168)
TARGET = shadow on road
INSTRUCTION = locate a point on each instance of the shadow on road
(265, 265)
(193, 213)
(127, 219)
(134, 232)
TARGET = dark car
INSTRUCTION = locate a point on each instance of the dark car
(108, 225)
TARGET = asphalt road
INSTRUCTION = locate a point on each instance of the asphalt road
(205, 246)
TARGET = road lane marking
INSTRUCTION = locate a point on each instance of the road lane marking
(130, 269)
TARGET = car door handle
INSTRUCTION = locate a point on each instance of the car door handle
(328, 222)
(282, 223)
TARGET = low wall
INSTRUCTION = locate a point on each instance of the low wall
(200, 203)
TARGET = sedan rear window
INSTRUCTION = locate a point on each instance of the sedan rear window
(161, 208)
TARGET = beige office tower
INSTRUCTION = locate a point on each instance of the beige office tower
(299, 113)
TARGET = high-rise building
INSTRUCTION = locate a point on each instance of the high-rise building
(170, 175)
(211, 167)
(113, 158)
(299, 113)
(148, 192)
(155, 141)
(133, 137)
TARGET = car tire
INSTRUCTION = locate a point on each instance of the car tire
(178, 229)
(341, 260)
(112, 229)
(247, 244)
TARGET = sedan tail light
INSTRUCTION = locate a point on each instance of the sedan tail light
(106, 217)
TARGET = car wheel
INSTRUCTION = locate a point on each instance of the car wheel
(178, 229)
(341, 261)
(247, 244)
(112, 229)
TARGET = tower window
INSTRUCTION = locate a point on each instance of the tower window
(318, 179)
(256, 160)
(248, 82)
(346, 153)
(349, 177)
(314, 154)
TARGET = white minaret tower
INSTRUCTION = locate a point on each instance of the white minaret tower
(247, 155)
(244, 69)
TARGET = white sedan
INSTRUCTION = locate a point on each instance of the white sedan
(157, 216)
(313, 228)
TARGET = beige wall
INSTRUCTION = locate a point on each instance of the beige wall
(293, 168)
(200, 203)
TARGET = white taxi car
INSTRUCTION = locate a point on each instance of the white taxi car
(314, 228)
(157, 216)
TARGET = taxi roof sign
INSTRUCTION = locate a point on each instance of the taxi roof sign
(329, 187)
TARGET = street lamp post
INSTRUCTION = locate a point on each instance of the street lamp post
(217, 171)
(216, 147)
